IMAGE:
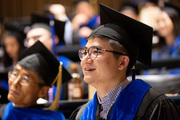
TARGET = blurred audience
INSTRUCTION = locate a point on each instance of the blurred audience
(59, 13)
(169, 32)
(41, 30)
(13, 47)
(130, 9)
(168, 28)
(149, 13)
(84, 21)
(13, 44)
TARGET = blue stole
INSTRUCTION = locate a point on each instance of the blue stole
(175, 49)
(172, 51)
(126, 105)
(18, 113)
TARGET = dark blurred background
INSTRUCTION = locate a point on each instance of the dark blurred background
(19, 8)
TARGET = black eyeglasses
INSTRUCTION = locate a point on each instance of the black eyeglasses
(24, 80)
(93, 52)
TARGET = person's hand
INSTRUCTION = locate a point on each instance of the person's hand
(78, 20)
(85, 32)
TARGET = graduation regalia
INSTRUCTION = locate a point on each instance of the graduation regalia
(17, 113)
(137, 100)
(39, 59)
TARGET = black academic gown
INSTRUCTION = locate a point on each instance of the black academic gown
(154, 106)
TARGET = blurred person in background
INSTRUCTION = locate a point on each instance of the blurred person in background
(41, 29)
(130, 9)
(83, 22)
(13, 47)
(59, 13)
(168, 28)
(169, 32)
(13, 44)
(149, 12)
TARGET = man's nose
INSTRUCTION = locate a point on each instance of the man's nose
(87, 58)
(17, 80)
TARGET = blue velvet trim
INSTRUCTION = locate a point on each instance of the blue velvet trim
(126, 105)
(64, 60)
(4, 84)
(128, 101)
(18, 113)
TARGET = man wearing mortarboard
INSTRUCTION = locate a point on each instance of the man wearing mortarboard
(31, 79)
(42, 30)
(111, 51)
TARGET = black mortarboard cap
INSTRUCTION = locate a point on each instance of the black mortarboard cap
(132, 34)
(59, 26)
(40, 60)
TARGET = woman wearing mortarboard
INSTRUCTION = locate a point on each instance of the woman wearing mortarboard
(111, 51)
(31, 79)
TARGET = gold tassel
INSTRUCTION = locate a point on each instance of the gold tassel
(133, 67)
(55, 105)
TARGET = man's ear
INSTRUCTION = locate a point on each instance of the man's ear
(123, 62)
(43, 91)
